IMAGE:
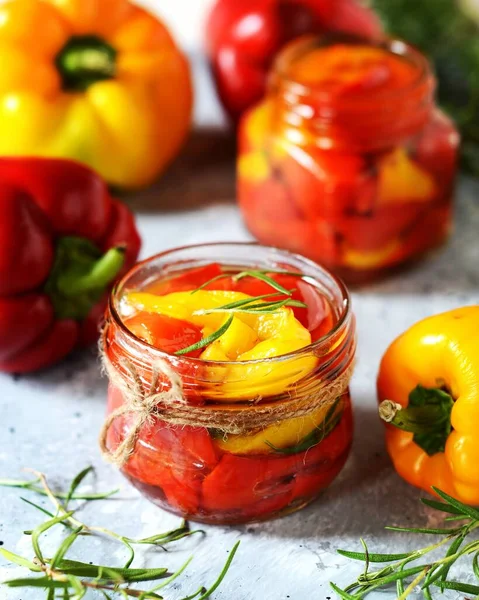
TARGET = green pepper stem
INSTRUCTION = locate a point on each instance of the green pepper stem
(85, 60)
(80, 275)
(415, 419)
(102, 273)
(427, 416)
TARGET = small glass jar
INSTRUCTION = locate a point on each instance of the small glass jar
(348, 160)
(201, 472)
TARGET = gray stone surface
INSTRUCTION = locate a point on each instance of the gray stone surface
(50, 422)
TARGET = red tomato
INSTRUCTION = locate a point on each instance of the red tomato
(166, 333)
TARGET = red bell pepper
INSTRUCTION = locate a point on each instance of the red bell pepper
(243, 37)
(64, 241)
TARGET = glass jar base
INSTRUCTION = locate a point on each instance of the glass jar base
(151, 493)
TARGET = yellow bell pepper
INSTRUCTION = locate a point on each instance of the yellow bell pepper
(98, 81)
(432, 431)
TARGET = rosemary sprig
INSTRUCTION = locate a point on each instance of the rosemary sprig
(66, 518)
(262, 275)
(429, 575)
(251, 305)
(209, 339)
(74, 578)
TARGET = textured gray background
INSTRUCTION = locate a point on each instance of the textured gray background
(50, 422)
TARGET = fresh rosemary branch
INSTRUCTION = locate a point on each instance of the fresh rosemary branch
(429, 574)
(74, 578)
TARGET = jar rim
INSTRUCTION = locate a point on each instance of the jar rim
(342, 320)
(396, 46)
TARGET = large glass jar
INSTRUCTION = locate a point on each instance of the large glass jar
(348, 160)
(293, 411)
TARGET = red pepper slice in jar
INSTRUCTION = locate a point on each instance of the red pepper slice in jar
(165, 333)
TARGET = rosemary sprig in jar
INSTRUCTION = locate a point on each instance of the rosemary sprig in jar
(429, 575)
(262, 275)
(72, 578)
(252, 305)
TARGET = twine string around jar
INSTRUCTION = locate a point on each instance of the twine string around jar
(170, 405)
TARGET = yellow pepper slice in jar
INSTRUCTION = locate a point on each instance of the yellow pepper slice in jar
(250, 337)
(360, 259)
(401, 180)
(283, 435)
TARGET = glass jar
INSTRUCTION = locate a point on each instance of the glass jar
(348, 160)
(195, 467)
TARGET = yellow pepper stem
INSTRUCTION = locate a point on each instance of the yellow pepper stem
(85, 60)
(427, 416)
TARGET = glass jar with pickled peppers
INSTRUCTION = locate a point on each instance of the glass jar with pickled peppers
(229, 367)
(348, 160)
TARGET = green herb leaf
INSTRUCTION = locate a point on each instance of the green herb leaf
(30, 485)
(262, 276)
(457, 586)
(441, 506)
(19, 560)
(464, 508)
(41, 529)
(341, 593)
(64, 547)
(424, 530)
(174, 576)
(243, 302)
(209, 339)
(222, 575)
(210, 281)
(255, 274)
(38, 507)
(75, 483)
(40, 582)
(374, 558)
(81, 569)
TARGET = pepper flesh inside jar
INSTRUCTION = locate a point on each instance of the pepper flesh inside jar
(206, 473)
(347, 160)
